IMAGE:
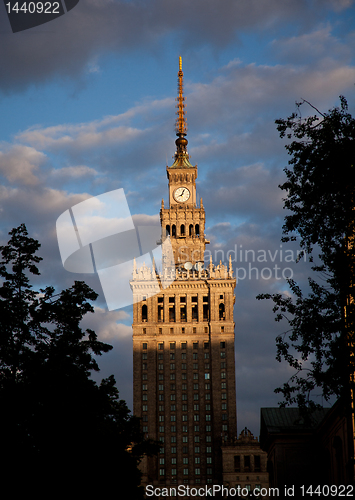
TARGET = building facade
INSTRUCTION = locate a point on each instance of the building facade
(183, 339)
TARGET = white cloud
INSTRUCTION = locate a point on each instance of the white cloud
(19, 163)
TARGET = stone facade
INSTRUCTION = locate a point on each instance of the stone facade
(183, 343)
(245, 465)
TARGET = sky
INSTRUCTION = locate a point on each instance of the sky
(87, 105)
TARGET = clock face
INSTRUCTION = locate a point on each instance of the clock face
(181, 194)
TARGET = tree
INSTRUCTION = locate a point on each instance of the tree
(56, 423)
(319, 343)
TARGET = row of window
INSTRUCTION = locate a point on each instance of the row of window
(185, 460)
(186, 471)
(183, 313)
(246, 464)
(161, 430)
(183, 345)
(184, 407)
(193, 230)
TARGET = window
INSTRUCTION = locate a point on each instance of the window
(208, 439)
(161, 407)
(183, 366)
(195, 345)
(161, 387)
(208, 417)
(172, 355)
(144, 312)
(183, 376)
(186, 472)
(184, 387)
(224, 427)
(173, 439)
(172, 345)
(207, 355)
(209, 472)
(207, 396)
(145, 387)
(196, 396)
(145, 355)
(161, 461)
(184, 418)
(160, 356)
(209, 460)
(224, 395)
(162, 472)
(196, 407)
(223, 345)
(196, 417)
(160, 366)
(183, 345)
(207, 376)
(223, 385)
(173, 418)
(145, 428)
(224, 406)
(197, 460)
(145, 345)
(223, 354)
(195, 376)
(236, 463)
(144, 366)
(172, 387)
(184, 428)
(195, 366)
(172, 408)
(161, 418)
(185, 460)
(161, 376)
(172, 397)
(144, 376)
(172, 376)
(160, 397)
(183, 355)
(145, 418)
(208, 407)
(173, 472)
(161, 346)
(208, 428)
(197, 449)
(197, 439)
(145, 407)
(184, 407)
(221, 311)
(223, 374)
(161, 428)
(197, 428)
(184, 439)
(194, 355)
(173, 428)
(246, 463)
(145, 397)
(173, 450)
(206, 345)
(184, 397)
(172, 366)
(223, 365)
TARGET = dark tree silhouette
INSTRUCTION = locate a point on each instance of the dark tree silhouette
(320, 189)
(59, 430)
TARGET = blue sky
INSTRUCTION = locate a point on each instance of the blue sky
(87, 105)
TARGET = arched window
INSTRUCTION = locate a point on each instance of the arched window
(191, 230)
(221, 311)
(144, 312)
(197, 230)
(182, 230)
(167, 228)
(173, 230)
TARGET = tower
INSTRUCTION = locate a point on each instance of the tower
(183, 340)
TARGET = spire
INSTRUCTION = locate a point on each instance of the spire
(181, 125)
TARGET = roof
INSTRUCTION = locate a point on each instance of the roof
(290, 419)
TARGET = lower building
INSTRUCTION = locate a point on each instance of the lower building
(245, 466)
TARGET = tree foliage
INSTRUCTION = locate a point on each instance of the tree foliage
(320, 200)
(57, 426)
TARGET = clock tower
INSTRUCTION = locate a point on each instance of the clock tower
(183, 339)
(183, 221)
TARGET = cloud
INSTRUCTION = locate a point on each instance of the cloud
(19, 163)
(68, 48)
